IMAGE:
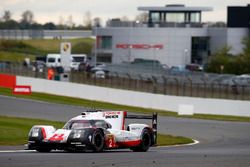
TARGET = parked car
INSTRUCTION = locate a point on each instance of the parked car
(194, 67)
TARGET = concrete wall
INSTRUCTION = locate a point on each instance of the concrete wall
(139, 99)
(218, 38)
(235, 37)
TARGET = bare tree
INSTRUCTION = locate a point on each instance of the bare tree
(70, 22)
(87, 21)
(61, 20)
(142, 17)
(124, 18)
(97, 21)
(7, 15)
(27, 17)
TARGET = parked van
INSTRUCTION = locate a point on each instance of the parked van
(77, 59)
(53, 60)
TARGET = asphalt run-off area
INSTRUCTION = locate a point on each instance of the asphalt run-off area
(221, 143)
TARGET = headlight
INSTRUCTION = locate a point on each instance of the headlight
(35, 132)
(77, 134)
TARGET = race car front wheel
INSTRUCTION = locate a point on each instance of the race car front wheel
(98, 140)
(145, 142)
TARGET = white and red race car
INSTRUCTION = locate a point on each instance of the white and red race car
(97, 131)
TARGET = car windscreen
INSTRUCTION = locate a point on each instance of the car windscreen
(80, 124)
(51, 60)
(78, 59)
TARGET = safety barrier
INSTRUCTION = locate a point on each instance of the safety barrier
(139, 99)
(7, 81)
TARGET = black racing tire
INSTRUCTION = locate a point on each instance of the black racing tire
(43, 150)
(98, 140)
(145, 142)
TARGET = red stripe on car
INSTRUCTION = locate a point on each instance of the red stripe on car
(129, 143)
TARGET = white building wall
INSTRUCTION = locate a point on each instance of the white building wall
(218, 38)
(176, 43)
(231, 37)
(234, 39)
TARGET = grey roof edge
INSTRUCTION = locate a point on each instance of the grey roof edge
(171, 9)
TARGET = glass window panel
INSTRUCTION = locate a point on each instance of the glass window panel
(175, 17)
(155, 17)
(195, 17)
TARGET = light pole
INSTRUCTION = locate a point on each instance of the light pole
(96, 40)
(155, 58)
(185, 56)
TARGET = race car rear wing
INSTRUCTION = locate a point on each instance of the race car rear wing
(116, 119)
(153, 117)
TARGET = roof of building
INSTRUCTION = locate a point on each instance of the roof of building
(175, 8)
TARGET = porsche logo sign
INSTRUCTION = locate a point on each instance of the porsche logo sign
(65, 48)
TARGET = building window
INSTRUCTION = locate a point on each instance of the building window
(104, 42)
(104, 57)
(175, 17)
(155, 17)
(195, 17)
(200, 50)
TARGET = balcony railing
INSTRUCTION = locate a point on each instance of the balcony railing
(118, 23)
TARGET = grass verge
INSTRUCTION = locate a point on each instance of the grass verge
(14, 131)
(104, 105)
(14, 56)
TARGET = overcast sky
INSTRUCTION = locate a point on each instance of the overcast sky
(52, 10)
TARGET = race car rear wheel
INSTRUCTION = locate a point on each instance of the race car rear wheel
(145, 142)
(98, 140)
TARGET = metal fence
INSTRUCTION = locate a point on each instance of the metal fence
(192, 85)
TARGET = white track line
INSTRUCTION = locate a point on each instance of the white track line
(181, 145)
(26, 151)
(16, 151)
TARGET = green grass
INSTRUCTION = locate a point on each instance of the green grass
(53, 45)
(104, 105)
(14, 56)
(14, 131)
(168, 140)
(17, 50)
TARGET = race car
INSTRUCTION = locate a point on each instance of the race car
(96, 131)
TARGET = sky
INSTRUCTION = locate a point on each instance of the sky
(55, 10)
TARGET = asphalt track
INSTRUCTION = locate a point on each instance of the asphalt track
(221, 143)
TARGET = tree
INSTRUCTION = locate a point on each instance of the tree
(11, 24)
(245, 56)
(7, 16)
(27, 17)
(142, 17)
(49, 26)
(124, 18)
(217, 24)
(97, 21)
(246, 48)
(87, 20)
(70, 22)
(219, 60)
